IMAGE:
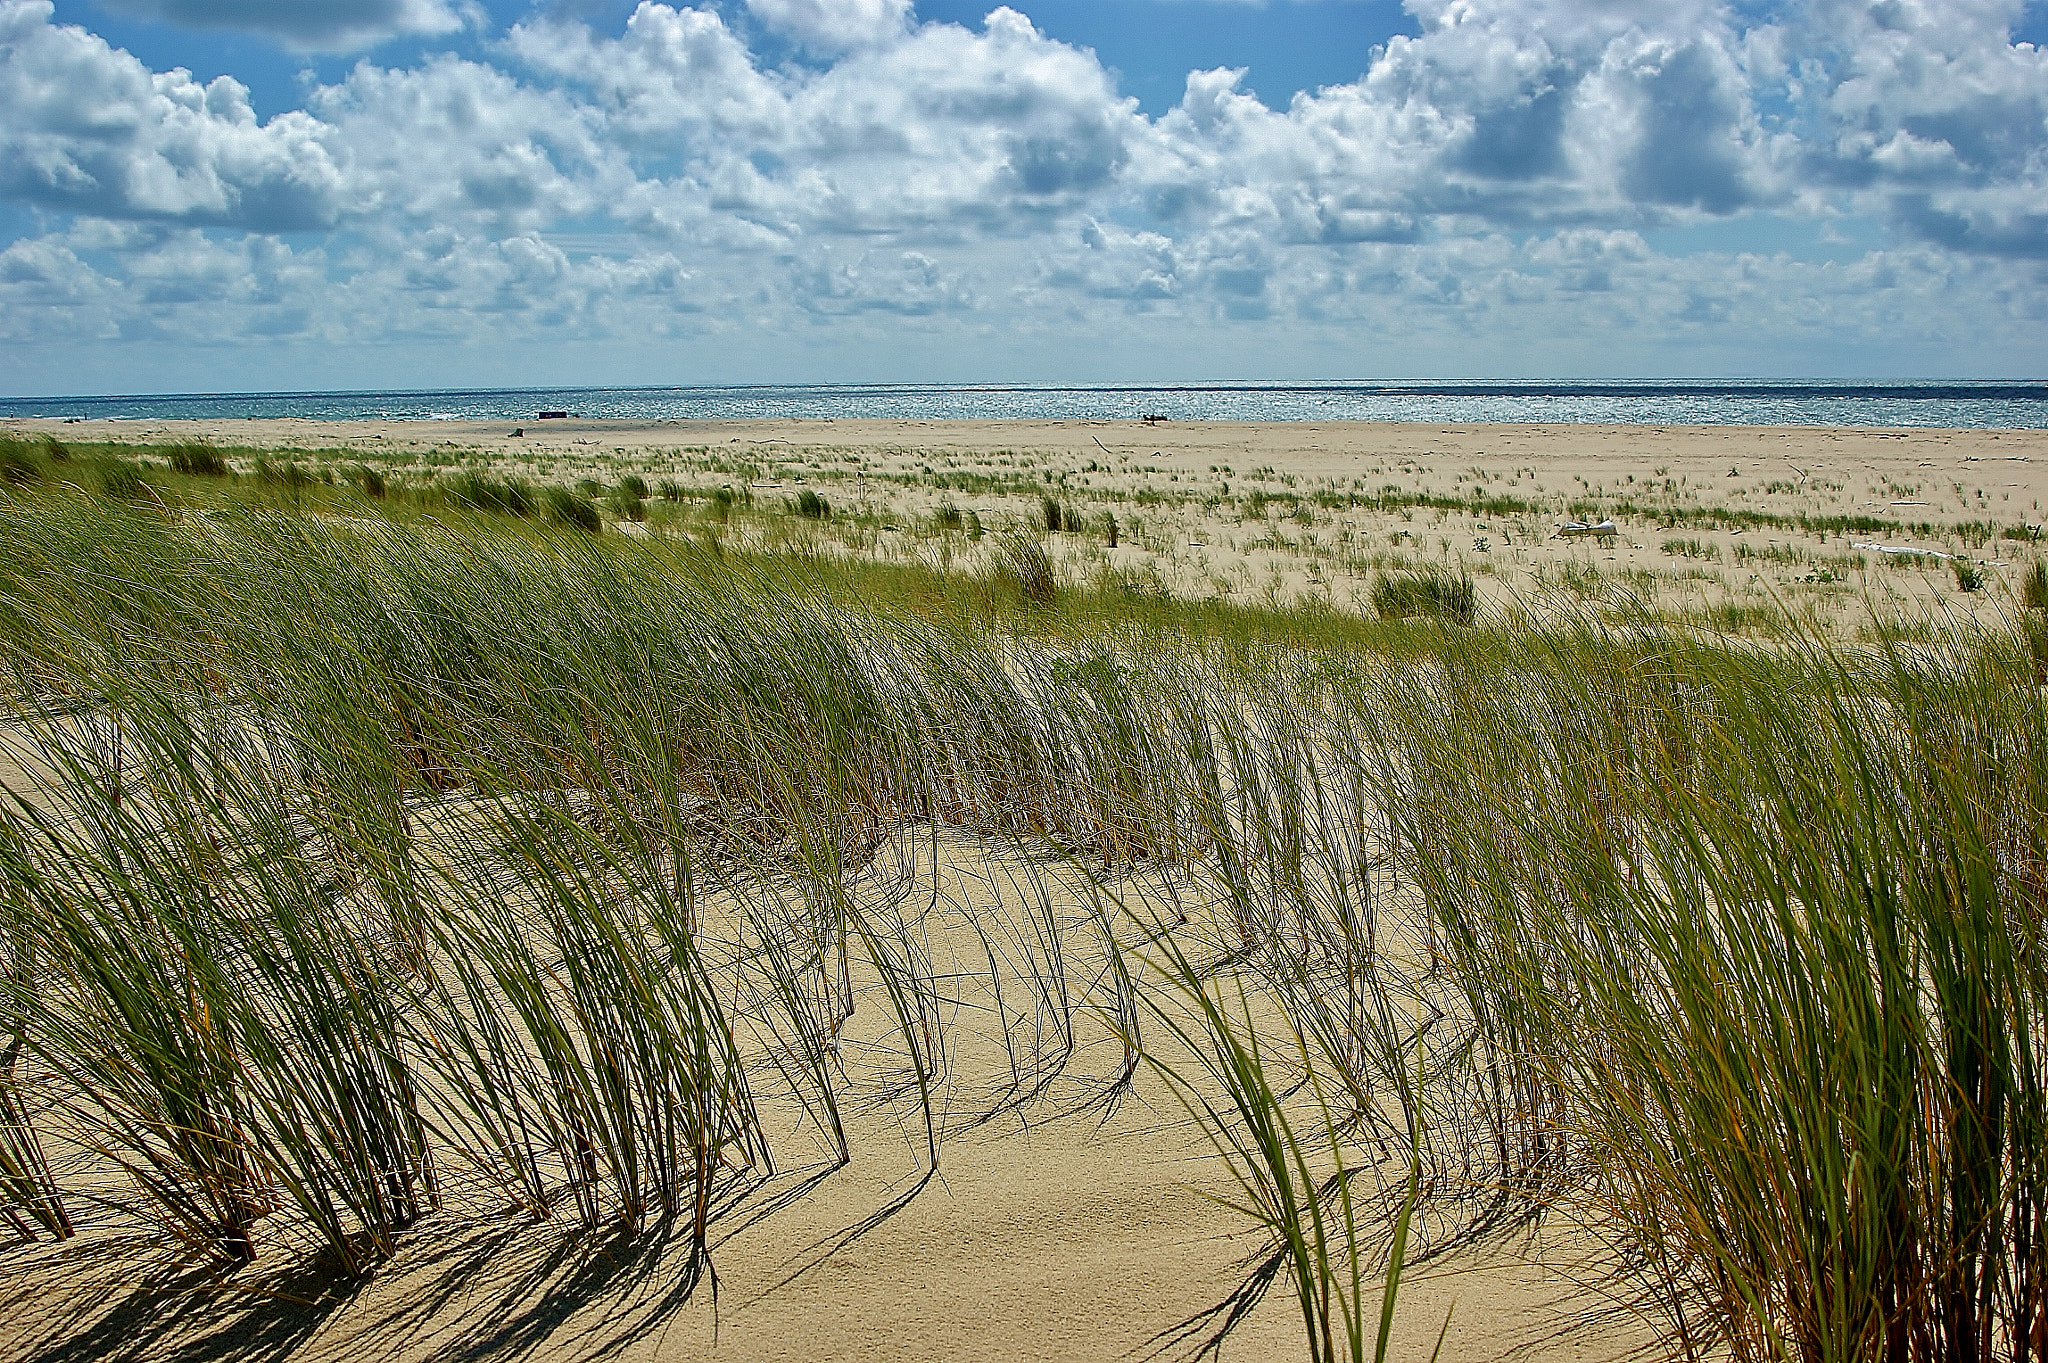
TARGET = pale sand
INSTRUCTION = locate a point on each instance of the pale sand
(1067, 1237)
(1081, 1236)
(1179, 492)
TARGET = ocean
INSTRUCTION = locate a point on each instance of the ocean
(1990, 404)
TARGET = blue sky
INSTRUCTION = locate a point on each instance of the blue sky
(206, 195)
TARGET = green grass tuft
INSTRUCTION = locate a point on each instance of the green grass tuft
(1431, 592)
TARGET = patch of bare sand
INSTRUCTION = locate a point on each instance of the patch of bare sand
(1060, 1229)
(1069, 1241)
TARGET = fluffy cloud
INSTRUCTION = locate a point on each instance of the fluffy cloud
(89, 129)
(1499, 113)
(1513, 160)
(939, 133)
(833, 26)
(306, 25)
(457, 142)
(1934, 115)
(1515, 113)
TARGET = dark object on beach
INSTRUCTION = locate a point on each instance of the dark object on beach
(1151, 418)
(519, 430)
(553, 416)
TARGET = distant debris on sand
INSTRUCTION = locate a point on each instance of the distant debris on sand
(1151, 418)
(1572, 530)
(519, 430)
(1900, 551)
(553, 416)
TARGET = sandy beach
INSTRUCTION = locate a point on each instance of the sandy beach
(1706, 518)
(1068, 1229)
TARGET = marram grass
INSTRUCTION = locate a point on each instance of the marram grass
(366, 857)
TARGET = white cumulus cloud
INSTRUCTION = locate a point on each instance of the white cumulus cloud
(1512, 161)
(88, 128)
(307, 25)
(832, 26)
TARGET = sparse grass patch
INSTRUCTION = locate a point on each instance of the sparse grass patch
(1692, 548)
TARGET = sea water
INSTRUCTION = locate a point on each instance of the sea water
(1999, 404)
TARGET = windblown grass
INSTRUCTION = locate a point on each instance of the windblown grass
(372, 859)
(1430, 592)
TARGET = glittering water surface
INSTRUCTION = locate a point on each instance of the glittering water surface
(1992, 404)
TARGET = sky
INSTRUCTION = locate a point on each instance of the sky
(289, 195)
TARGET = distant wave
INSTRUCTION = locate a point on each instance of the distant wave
(1997, 403)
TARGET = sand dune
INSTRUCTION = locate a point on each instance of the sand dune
(1707, 517)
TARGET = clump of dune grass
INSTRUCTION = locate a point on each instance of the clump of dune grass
(2034, 617)
(1795, 1031)
(2034, 587)
(120, 479)
(563, 507)
(18, 463)
(503, 496)
(197, 459)
(367, 480)
(1295, 1176)
(811, 506)
(1431, 592)
(1029, 570)
(626, 503)
(291, 476)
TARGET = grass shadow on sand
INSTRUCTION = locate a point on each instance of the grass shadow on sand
(500, 1292)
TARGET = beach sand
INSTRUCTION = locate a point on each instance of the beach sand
(1064, 1228)
(1051, 1232)
(1702, 514)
